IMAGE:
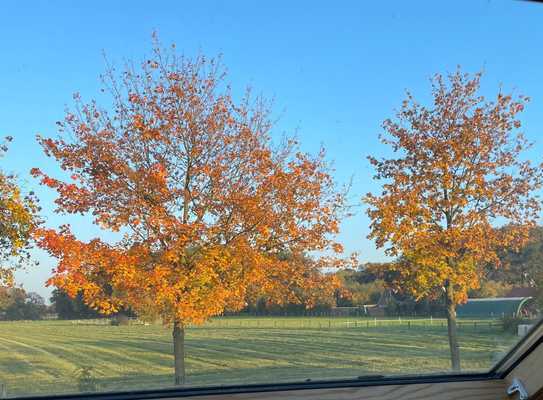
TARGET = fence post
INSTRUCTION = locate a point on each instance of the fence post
(3, 391)
(408, 324)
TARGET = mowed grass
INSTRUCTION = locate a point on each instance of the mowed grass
(41, 357)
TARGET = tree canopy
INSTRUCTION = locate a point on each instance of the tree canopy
(205, 202)
(458, 171)
(18, 220)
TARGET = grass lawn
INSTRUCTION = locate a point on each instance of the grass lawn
(42, 357)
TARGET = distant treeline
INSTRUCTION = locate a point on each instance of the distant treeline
(370, 284)
(66, 307)
(359, 290)
(16, 304)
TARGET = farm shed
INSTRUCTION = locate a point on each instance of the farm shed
(495, 307)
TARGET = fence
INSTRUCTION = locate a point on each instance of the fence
(314, 323)
(343, 323)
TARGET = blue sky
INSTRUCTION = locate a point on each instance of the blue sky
(335, 69)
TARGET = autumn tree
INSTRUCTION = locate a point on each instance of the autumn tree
(18, 219)
(522, 268)
(458, 171)
(315, 292)
(203, 202)
(490, 288)
(358, 288)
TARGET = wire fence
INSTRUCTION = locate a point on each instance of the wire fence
(339, 323)
(315, 323)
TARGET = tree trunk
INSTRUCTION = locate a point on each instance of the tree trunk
(179, 352)
(451, 327)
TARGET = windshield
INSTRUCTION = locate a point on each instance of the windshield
(214, 194)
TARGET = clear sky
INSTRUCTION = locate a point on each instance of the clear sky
(336, 70)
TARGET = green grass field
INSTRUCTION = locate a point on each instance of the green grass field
(42, 357)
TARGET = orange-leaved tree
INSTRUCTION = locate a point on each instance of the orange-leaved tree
(204, 203)
(458, 171)
(18, 220)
